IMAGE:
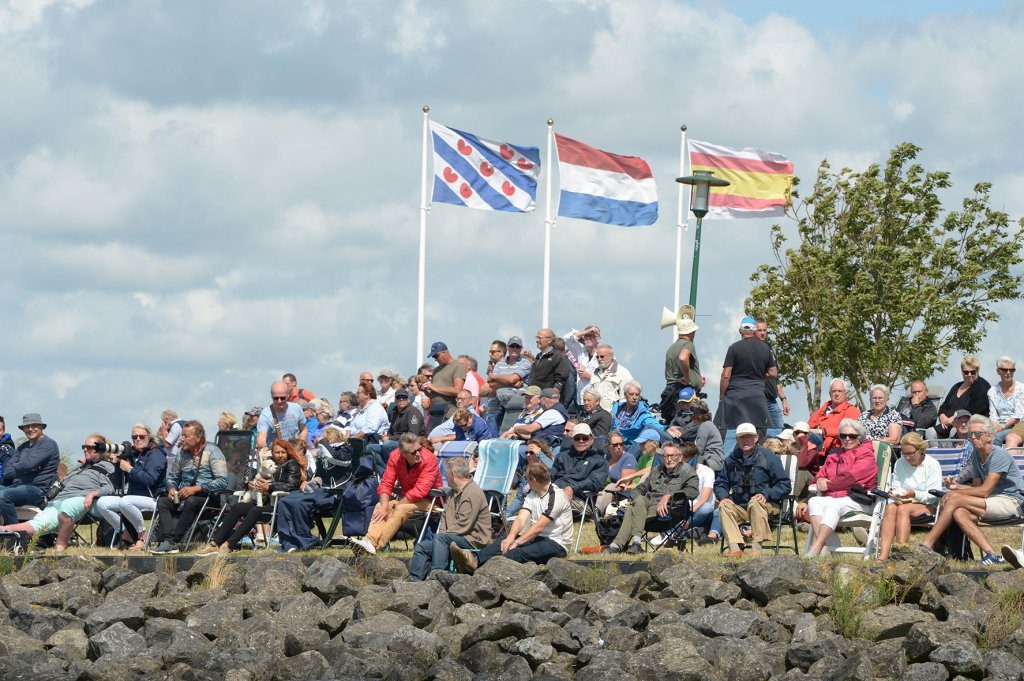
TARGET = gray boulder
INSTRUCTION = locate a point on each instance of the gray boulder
(725, 620)
(116, 642)
(374, 632)
(338, 615)
(925, 671)
(331, 579)
(669, 659)
(216, 619)
(41, 622)
(1002, 665)
(308, 665)
(114, 611)
(890, 621)
(506, 572)
(381, 570)
(493, 629)
(535, 651)
(183, 645)
(614, 608)
(479, 590)
(765, 579)
(960, 657)
(178, 606)
(924, 637)
(298, 640)
(69, 644)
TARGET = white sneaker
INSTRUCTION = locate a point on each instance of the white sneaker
(363, 545)
(660, 539)
(1012, 556)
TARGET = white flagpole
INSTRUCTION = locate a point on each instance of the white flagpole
(548, 225)
(424, 209)
(681, 221)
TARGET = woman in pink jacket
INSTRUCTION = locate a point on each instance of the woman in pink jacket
(853, 464)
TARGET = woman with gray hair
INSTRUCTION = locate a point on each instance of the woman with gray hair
(852, 464)
(1006, 400)
(882, 422)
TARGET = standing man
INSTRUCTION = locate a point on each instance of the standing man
(198, 471)
(30, 470)
(505, 377)
(748, 364)
(749, 489)
(772, 390)
(295, 393)
(681, 365)
(284, 419)
(609, 378)
(581, 351)
(551, 368)
(447, 382)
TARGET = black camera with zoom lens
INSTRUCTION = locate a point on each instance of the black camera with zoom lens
(113, 451)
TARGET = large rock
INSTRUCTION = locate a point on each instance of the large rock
(16, 642)
(910, 564)
(338, 615)
(374, 632)
(304, 610)
(308, 665)
(331, 579)
(614, 608)
(178, 606)
(960, 658)
(147, 586)
(535, 651)
(278, 577)
(41, 622)
(381, 570)
(507, 572)
(890, 621)
(42, 668)
(725, 620)
(116, 642)
(924, 637)
(515, 625)
(114, 611)
(69, 644)
(416, 647)
(480, 590)
(1002, 665)
(70, 595)
(184, 645)
(669, 659)
(765, 579)
(216, 619)
(925, 671)
(744, 659)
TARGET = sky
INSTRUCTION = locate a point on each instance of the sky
(197, 197)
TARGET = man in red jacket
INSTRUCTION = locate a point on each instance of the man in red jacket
(825, 422)
(414, 469)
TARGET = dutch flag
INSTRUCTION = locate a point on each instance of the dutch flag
(605, 187)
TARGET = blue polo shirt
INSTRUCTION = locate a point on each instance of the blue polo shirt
(291, 423)
(479, 429)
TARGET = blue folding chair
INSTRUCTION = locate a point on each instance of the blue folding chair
(496, 472)
(453, 449)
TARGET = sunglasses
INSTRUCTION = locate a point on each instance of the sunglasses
(139, 437)
(89, 448)
(616, 444)
(1009, 371)
(848, 436)
(969, 373)
(279, 399)
(976, 434)
(580, 438)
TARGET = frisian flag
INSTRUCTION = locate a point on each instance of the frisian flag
(761, 181)
(604, 187)
(481, 173)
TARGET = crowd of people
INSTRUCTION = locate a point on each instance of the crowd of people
(588, 439)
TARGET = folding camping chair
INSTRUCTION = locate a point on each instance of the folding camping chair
(951, 455)
(873, 520)
(787, 508)
(673, 527)
(453, 449)
(496, 466)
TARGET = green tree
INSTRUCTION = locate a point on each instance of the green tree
(884, 284)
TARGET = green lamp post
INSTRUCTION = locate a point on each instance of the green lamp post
(701, 182)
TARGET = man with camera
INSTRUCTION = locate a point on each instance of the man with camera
(68, 500)
(749, 488)
(29, 471)
(197, 472)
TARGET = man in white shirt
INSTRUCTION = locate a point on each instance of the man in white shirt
(541, 531)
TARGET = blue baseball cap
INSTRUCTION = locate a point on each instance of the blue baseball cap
(437, 348)
(686, 394)
(748, 324)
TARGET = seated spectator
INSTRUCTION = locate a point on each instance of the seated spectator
(241, 518)
(970, 394)
(369, 421)
(635, 421)
(309, 414)
(917, 411)
(710, 448)
(466, 522)
(809, 458)
(29, 470)
(413, 469)
(914, 474)
(226, 421)
(346, 409)
(775, 446)
(1006, 400)
(250, 419)
(749, 489)
(988, 487)
(702, 509)
(824, 423)
(78, 490)
(594, 415)
(140, 476)
(681, 427)
(386, 379)
(853, 464)
(532, 408)
(883, 423)
(323, 418)
(283, 419)
(445, 431)
(469, 426)
(581, 469)
(541, 531)
(620, 463)
(548, 425)
(537, 451)
(610, 378)
(670, 483)
(197, 472)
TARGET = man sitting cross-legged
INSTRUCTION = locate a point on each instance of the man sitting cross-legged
(654, 496)
(541, 531)
(989, 486)
(466, 522)
(414, 468)
(749, 488)
(78, 490)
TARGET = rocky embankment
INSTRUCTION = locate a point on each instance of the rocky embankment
(321, 617)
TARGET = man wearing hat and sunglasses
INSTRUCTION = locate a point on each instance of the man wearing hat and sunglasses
(30, 471)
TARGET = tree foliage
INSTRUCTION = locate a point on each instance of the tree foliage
(884, 284)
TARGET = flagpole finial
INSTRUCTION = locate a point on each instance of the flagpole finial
(551, 121)
(683, 127)
(426, 109)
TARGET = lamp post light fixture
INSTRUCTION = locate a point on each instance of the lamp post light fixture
(701, 182)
